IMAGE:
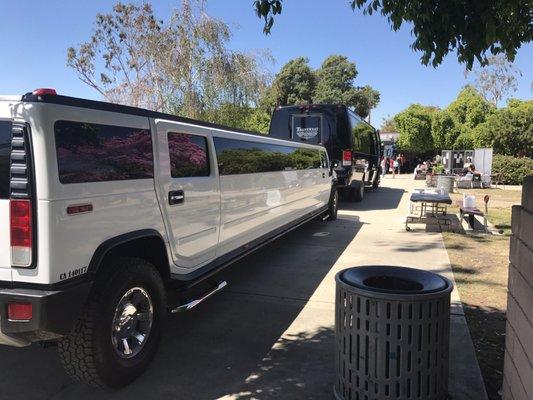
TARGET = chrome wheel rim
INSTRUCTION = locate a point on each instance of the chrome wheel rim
(132, 322)
(335, 201)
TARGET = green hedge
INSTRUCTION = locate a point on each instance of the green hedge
(513, 169)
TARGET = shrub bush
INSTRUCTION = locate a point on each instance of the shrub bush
(509, 131)
(513, 169)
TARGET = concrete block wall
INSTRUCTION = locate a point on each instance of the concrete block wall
(518, 370)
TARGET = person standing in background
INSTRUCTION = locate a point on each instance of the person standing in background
(396, 167)
(391, 166)
(401, 159)
(383, 167)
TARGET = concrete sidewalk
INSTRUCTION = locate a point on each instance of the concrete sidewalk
(270, 334)
(381, 240)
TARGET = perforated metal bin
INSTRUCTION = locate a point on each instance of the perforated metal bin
(392, 334)
(445, 182)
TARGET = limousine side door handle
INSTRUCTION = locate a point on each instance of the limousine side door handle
(176, 197)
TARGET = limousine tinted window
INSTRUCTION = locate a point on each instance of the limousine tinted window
(96, 153)
(5, 151)
(243, 157)
(188, 155)
(362, 136)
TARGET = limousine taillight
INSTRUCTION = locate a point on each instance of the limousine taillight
(346, 158)
(20, 219)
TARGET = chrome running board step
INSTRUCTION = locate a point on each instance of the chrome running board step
(193, 303)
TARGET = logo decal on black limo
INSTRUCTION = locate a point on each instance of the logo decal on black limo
(306, 133)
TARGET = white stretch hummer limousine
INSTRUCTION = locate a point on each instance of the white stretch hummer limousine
(112, 216)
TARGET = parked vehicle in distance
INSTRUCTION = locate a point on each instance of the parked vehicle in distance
(352, 144)
(111, 216)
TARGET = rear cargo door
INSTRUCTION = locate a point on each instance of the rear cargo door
(5, 153)
(307, 128)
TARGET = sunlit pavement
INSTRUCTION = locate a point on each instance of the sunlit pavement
(269, 335)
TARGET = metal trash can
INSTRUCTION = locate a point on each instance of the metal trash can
(445, 182)
(391, 334)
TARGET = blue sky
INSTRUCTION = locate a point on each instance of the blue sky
(34, 36)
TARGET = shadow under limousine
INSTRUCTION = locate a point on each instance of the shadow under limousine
(382, 198)
(213, 350)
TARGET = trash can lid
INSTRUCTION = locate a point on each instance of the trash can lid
(393, 280)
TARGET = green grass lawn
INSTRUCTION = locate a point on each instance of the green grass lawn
(501, 219)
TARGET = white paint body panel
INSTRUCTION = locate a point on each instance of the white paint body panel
(7, 113)
(192, 226)
(7, 104)
(5, 248)
(219, 214)
(252, 205)
(68, 242)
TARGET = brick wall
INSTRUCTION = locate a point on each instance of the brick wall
(518, 370)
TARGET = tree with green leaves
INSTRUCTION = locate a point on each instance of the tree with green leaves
(131, 74)
(471, 28)
(414, 125)
(294, 84)
(465, 139)
(365, 98)
(452, 128)
(444, 130)
(335, 84)
(181, 65)
(258, 121)
(247, 77)
(389, 125)
(509, 130)
(497, 79)
(335, 80)
(254, 119)
(470, 108)
(469, 122)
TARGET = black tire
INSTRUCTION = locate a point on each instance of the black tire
(375, 183)
(344, 193)
(87, 353)
(333, 205)
(357, 193)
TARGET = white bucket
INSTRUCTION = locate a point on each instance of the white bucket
(469, 201)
